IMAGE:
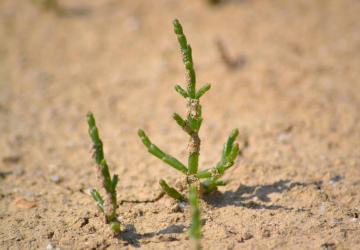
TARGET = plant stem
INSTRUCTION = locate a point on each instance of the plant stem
(195, 227)
(193, 105)
(109, 204)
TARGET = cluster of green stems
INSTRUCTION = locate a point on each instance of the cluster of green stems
(199, 182)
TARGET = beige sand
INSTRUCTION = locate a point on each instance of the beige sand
(295, 99)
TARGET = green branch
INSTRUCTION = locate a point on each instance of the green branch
(229, 154)
(154, 150)
(172, 192)
(99, 200)
(202, 91)
(181, 91)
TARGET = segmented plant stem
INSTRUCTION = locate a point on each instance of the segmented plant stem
(195, 227)
(193, 105)
(109, 204)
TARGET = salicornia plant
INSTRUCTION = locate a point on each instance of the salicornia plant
(191, 125)
(108, 204)
(195, 227)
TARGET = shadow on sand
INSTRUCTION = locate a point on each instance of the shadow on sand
(244, 195)
(132, 237)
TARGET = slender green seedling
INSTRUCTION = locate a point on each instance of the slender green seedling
(109, 204)
(195, 227)
(191, 125)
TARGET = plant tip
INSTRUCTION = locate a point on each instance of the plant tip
(141, 133)
(235, 132)
(90, 119)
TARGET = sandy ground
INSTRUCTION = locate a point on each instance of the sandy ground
(294, 97)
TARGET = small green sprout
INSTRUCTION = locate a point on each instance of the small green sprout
(191, 125)
(109, 204)
(195, 227)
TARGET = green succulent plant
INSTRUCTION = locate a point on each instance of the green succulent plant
(207, 180)
(108, 203)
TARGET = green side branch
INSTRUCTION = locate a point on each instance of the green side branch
(109, 204)
(181, 91)
(172, 192)
(203, 174)
(98, 199)
(154, 150)
(229, 144)
(202, 91)
(229, 155)
(183, 124)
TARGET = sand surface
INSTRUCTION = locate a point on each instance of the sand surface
(293, 94)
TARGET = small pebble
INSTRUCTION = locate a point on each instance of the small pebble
(334, 180)
(284, 137)
(24, 203)
(51, 246)
(328, 246)
(182, 204)
(50, 234)
(176, 208)
(55, 179)
(266, 233)
(247, 236)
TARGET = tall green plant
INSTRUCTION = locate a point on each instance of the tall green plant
(191, 125)
(108, 204)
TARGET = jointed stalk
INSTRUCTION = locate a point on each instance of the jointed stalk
(195, 227)
(194, 118)
(109, 204)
